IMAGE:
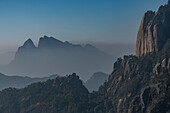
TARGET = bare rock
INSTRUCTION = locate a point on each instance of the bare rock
(154, 31)
(157, 68)
(168, 66)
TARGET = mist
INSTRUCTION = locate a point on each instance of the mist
(62, 58)
(116, 49)
(53, 56)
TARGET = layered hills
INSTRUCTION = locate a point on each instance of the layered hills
(54, 56)
(19, 81)
(60, 95)
(137, 84)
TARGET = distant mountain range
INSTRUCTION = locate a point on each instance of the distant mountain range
(137, 84)
(96, 80)
(54, 56)
(19, 81)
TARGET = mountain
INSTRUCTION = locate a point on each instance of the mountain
(141, 83)
(154, 31)
(137, 84)
(54, 56)
(20, 82)
(52, 43)
(60, 95)
(96, 80)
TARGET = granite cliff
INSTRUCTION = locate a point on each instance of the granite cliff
(141, 83)
(154, 31)
(137, 84)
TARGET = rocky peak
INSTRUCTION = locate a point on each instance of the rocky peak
(29, 44)
(153, 32)
(25, 50)
(27, 47)
(49, 42)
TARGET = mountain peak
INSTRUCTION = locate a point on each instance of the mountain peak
(153, 31)
(29, 44)
(47, 38)
(49, 42)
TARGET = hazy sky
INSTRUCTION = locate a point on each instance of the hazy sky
(100, 22)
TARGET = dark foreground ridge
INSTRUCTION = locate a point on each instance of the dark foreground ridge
(60, 95)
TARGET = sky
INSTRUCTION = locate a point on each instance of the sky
(107, 24)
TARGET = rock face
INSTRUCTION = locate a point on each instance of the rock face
(140, 85)
(154, 31)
